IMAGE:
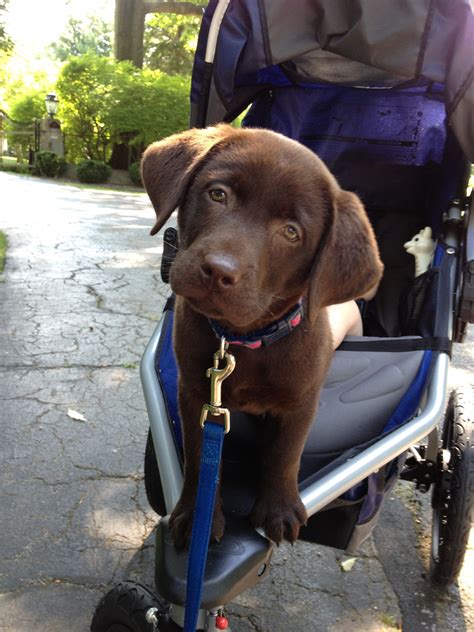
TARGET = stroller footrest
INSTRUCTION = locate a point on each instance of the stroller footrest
(235, 564)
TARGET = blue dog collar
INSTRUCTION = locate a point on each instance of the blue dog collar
(265, 336)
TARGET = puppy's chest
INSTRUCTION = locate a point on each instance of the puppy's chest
(257, 389)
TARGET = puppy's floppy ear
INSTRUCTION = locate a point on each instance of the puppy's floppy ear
(168, 166)
(349, 265)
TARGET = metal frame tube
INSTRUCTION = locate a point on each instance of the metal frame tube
(169, 464)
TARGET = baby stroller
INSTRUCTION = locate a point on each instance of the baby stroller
(386, 99)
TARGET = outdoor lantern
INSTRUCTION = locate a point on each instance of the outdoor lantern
(51, 103)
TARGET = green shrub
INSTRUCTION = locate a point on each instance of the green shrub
(49, 164)
(93, 171)
(135, 174)
(103, 101)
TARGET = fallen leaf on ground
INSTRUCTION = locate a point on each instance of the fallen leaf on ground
(73, 414)
(347, 564)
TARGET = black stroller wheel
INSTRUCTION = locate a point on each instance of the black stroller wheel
(125, 609)
(453, 494)
(153, 488)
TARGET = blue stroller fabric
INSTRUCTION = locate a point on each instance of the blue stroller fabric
(391, 147)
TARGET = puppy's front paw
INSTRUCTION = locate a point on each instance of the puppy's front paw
(281, 516)
(181, 523)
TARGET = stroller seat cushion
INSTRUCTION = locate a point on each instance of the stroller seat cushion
(360, 393)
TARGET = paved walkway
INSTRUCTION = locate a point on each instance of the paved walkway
(80, 297)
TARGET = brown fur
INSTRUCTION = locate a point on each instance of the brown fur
(236, 264)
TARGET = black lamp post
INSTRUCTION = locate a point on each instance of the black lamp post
(52, 103)
(49, 135)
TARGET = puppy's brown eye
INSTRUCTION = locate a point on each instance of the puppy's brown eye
(218, 195)
(290, 232)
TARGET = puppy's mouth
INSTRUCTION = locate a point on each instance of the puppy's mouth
(206, 308)
(240, 316)
(234, 315)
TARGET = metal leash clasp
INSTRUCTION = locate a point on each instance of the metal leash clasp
(217, 376)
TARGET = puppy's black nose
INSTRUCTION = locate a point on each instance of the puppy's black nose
(222, 270)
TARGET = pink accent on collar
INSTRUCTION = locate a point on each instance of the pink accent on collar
(250, 345)
(296, 321)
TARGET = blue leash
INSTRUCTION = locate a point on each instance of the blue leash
(213, 439)
(211, 452)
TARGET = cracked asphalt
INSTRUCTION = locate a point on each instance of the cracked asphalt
(79, 299)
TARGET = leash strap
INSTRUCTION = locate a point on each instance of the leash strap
(211, 451)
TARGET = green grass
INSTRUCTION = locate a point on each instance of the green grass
(8, 160)
(129, 190)
(11, 165)
(389, 620)
(130, 365)
(3, 250)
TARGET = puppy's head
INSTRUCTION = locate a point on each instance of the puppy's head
(262, 222)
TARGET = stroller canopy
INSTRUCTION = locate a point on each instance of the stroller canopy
(360, 43)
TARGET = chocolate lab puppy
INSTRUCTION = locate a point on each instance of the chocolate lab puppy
(267, 236)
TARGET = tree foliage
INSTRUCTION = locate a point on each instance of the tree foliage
(151, 105)
(170, 42)
(105, 102)
(171, 34)
(6, 43)
(20, 75)
(28, 106)
(87, 88)
(24, 109)
(93, 35)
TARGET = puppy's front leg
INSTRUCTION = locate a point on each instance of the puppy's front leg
(181, 518)
(278, 508)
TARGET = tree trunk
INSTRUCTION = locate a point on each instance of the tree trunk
(129, 30)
